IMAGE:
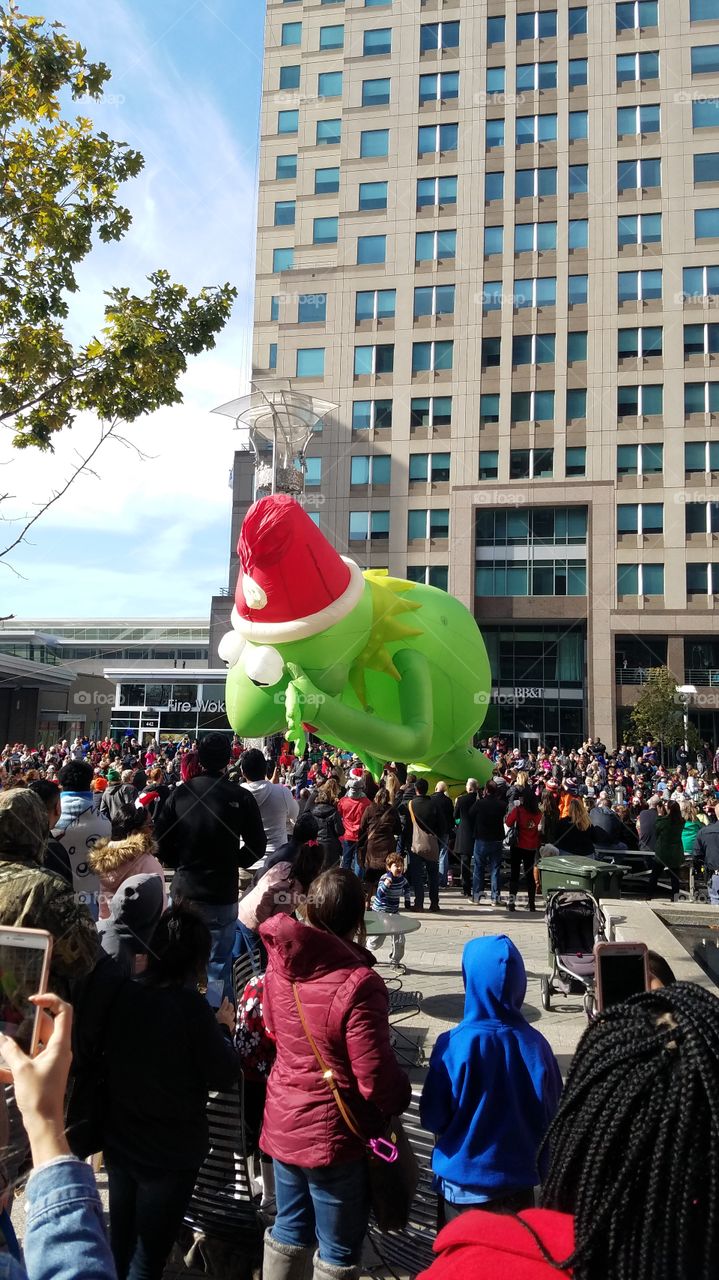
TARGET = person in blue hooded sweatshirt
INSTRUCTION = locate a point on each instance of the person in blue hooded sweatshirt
(491, 1091)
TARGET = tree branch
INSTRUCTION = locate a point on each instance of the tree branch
(105, 433)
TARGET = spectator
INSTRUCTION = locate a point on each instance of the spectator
(488, 826)
(390, 888)
(164, 1050)
(283, 884)
(422, 832)
(127, 930)
(707, 848)
(118, 794)
(132, 851)
(80, 826)
(575, 834)
(329, 824)
(692, 826)
(609, 830)
(491, 1090)
(650, 1068)
(464, 836)
(669, 850)
(208, 828)
(445, 821)
(351, 810)
(647, 825)
(319, 984)
(526, 818)
(277, 805)
(378, 834)
(33, 898)
(55, 857)
(64, 1225)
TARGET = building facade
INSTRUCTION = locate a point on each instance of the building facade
(489, 231)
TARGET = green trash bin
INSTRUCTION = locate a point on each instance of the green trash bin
(565, 871)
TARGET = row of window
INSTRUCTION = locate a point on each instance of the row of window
(568, 578)
(373, 526)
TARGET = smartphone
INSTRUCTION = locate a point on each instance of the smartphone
(24, 968)
(621, 971)
(215, 987)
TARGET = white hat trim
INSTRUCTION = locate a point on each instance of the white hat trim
(313, 623)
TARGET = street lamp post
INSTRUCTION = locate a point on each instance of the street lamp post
(686, 693)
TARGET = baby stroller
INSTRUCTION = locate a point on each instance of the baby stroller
(575, 922)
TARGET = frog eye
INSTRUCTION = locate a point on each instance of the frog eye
(230, 648)
(263, 665)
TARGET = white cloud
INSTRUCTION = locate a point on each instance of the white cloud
(193, 213)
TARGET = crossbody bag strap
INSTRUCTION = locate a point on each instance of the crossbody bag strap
(327, 1073)
(411, 813)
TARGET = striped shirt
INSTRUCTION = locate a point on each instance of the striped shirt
(389, 891)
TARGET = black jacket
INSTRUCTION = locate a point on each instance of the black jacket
(331, 827)
(463, 809)
(445, 812)
(164, 1050)
(488, 819)
(199, 830)
(569, 839)
(608, 826)
(707, 846)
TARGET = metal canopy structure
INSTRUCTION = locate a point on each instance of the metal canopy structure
(282, 419)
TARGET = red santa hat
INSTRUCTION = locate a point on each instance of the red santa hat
(292, 584)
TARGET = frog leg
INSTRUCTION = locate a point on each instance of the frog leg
(456, 766)
(384, 739)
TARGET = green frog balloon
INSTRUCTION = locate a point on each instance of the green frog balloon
(382, 667)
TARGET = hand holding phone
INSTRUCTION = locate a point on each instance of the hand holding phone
(621, 971)
(24, 968)
(40, 1082)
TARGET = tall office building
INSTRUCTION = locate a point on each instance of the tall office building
(489, 232)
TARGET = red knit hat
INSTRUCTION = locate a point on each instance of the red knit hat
(292, 583)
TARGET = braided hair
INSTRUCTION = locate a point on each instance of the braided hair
(634, 1147)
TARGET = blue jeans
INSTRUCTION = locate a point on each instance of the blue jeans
(486, 851)
(146, 1211)
(417, 868)
(349, 855)
(221, 920)
(330, 1205)
(443, 864)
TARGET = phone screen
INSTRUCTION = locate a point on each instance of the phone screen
(622, 976)
(20, 974)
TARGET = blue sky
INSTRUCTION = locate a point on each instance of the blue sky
(152, 537)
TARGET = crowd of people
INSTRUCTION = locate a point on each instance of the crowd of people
(153, 867)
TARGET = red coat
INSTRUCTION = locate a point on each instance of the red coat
(529, 834)
(345, 1005)
(478, 1244)
(352, 813)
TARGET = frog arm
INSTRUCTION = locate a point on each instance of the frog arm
(409, 739)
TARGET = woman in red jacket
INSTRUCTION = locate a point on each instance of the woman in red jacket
(320, 981)
(633, 1182)
(527, 819)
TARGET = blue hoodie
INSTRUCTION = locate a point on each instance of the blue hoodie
(493, 1083)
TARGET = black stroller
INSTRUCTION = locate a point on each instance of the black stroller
(575, 921)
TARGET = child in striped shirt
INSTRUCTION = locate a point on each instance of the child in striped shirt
(391, 888)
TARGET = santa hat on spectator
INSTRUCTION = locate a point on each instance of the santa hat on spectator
(147, 798)
(292, 583)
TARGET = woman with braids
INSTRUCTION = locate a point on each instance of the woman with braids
(632, 1191)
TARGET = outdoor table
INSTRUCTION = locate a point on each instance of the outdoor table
(378, 924)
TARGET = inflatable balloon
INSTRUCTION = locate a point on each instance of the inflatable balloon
(389, 669)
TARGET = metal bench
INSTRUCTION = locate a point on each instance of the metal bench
(403, 1253)
(404, 1005)
(223, 1205)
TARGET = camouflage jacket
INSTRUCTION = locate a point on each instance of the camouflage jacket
(34, 898)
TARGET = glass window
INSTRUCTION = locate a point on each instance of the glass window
(493, 240)
(291, 33)
(313, 471)
(375, 304)
(535, 182)
(283, 259)
(488, 464)
(577, 290)
(288, 121)
(642, 228)
(705, 113)
(706, 224)
(431, 356)
(437, 138)
(416, 525)
(578, 175)
(286, 167)
(637, 14)
(434, 300)
(374, 142)
(435, 245)
(652, 458)
(272, 358)
(627, 579)
(371, 413)
(639, 173)
(312, 308)
(419, 466)
(705, 59)
(495, 80)
(275, 307)
(577, 347)
(377, 4)
(494, 134)
(492, 295)
(290, 77)
(578, 73)
(325, 230)
(652, 576)
(636, 120)
(706, 167)
(438, 35)
(376, 93)
(311, 362)
(535, 237)
(327, 181)
(578, 126)
(639, 286)
(576, 403)
(488, 408)
(377, 42)
(373, 195)
(329, 84)
(701, 282)
(578, 233)
(371, 249)
(436, 191)
(332, 37)
(578, 21)
(284, 213)
(637, 66)
(533, 129)
(536, 26)
(491, 352)
(495, 30)
(575, 460)
(703, 10)
(532, 76)
(493, 186)
(329, 132)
